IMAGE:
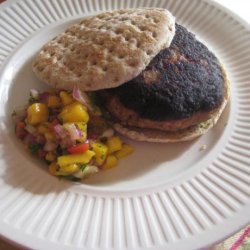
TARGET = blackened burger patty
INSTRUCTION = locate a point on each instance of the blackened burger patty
(180, 81)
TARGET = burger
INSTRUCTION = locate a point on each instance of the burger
(157, 82)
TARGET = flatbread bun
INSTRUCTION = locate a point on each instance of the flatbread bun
(153, 135)
(105, 50)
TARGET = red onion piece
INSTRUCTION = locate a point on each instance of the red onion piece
(40, 139)
(67, 142)
(82, 97)
(43, 97)
(29, 139)
(60, 131)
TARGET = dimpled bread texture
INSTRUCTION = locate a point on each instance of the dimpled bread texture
(105, 50)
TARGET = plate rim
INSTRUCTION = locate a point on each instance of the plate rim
(213, 2)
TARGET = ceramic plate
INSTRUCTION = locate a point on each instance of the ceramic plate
(173, 196)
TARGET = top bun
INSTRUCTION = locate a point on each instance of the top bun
(106, 50)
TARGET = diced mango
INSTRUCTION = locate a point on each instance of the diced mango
(66, 98)
(124, 151)
(75, 159)
(110, 162)
(67, 170)
(50, 136)
(54, 101)
(114, 144)
(53, 167)
(74, 112)
(50, 157)
(101, 151)
(37, 113)
(43, 128)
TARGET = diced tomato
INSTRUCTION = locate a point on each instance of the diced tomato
(20, 131)
(78, 148)
(41, 153)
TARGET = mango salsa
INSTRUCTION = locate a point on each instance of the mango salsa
(37, 113)
(69, 133)
(74, 112)
(110, 162)
(76, 158)
(101, 151)
(68, 169)
(54, 101)
(114, 144)
(66, 98)
(124, 151)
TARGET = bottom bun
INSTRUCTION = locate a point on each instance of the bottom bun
(153, 135)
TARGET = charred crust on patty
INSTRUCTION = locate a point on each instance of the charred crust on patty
(187, 78)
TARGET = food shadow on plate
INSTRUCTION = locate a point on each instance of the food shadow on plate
(174, 157)
(146, 158)
(21, 170)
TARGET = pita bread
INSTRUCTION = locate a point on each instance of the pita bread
(105, 50)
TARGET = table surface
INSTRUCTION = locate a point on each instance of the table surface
(242, 9)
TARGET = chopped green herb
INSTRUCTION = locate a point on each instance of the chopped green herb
(34, 148)
(32, 100)
(102, 157)
(83, 166)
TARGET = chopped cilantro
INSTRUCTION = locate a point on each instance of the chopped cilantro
(83, 166)
(32, 100)
(102, 157)
(34, 148)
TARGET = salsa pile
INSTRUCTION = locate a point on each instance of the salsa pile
(69, 132)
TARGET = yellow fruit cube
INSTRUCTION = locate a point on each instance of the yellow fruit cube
(49, 136)
(74, 112)
(75, 159)
(101, 151)
(66, 98)
(114, 144)
(37, 113)
(43, 128)
(53, 167)
(54, 101)
(50, 156)
(67, 170)
(110, 162)
(124, 151)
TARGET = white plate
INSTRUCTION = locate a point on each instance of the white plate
(164, 196)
